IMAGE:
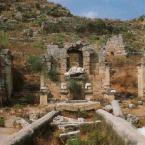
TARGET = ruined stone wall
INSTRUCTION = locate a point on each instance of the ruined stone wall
(97, 74)
(6, 85)
(101, 82)
(115, 46)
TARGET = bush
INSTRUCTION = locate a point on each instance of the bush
(2, 122)
(98, 26)
(75, 141)
(81, 28)
(75, 89)
(83, 114)
(35, 63)
(30, 99)
(51, 27)
(53, 75)
(86, 128)
(40, 19)
(141, 18)
(4, 39)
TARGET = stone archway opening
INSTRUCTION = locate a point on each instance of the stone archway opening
(74, 58)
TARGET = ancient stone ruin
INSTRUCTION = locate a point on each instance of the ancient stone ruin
(115, 46)
(78, 63)
(5, 76)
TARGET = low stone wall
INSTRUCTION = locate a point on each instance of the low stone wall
(85, 106)
(26, 135)
(123, 128)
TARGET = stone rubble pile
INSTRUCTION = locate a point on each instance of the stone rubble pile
(132, 119)
(70, 126)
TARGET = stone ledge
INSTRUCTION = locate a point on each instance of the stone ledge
(85, 106)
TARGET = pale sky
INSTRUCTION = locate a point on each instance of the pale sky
(116, 9)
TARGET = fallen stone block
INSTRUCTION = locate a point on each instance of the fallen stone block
(122, 128)
(116, 108)
(71, 134)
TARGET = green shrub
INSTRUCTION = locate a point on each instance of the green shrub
(35, 63)
(51, 28)
(30, 99)
(40, 19)
(74, 141)
(4, 40)
(85, 128)
(75, 89)
(141, 18)
(98, 26)
(2, 122)
(53, 75)
(83, 114)
(81, 28)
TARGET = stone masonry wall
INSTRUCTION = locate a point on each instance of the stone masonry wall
(115, 46)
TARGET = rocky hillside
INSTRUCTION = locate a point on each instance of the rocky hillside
(28, 25)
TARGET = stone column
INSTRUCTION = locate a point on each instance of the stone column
(141, 80)
(86, 61)
(42, 81)
(107, 76)
(63, 65)
(43, 98)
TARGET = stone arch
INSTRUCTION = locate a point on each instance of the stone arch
(74, 57)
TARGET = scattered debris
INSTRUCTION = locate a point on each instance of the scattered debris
(108, 108)
(140, 102)
(131, 106)
(20, 123)
(132, 119)
(71, 134)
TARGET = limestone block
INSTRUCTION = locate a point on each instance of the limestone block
(88, 97)
(116, 108)
(43, 99)
(110, 98)
(88, 86)
(63, 86)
